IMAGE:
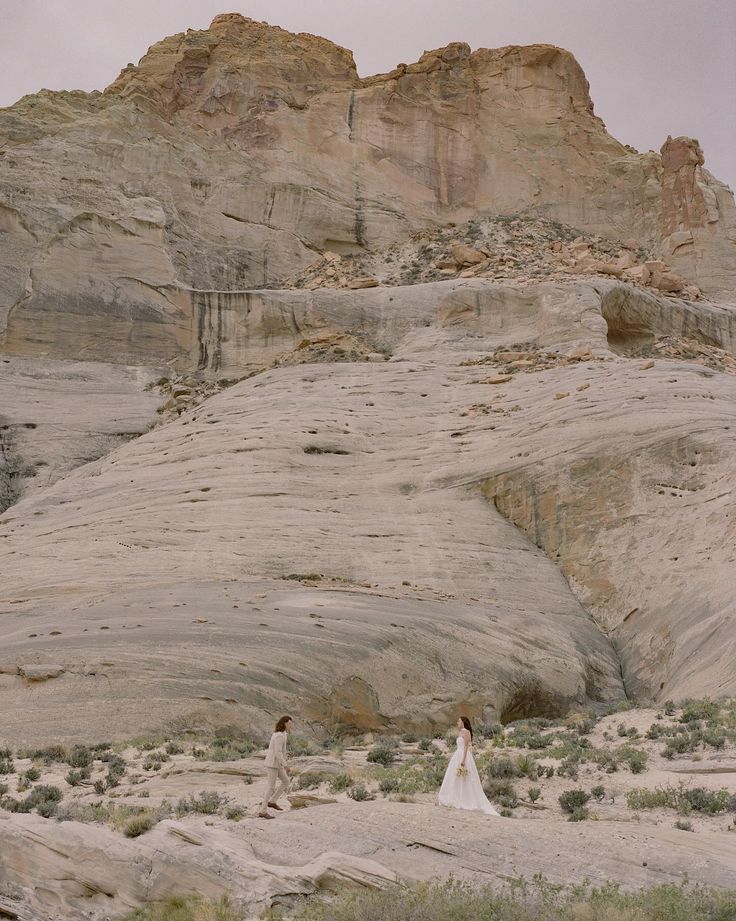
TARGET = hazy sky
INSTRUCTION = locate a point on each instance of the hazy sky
(656, 67)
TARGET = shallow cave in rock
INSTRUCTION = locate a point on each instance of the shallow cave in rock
(530, 700)
(627, 335)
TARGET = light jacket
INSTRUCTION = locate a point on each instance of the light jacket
(276, 754)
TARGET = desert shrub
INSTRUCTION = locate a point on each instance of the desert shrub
(173, 748)
(300, 746)
(235, 813)
(32, 774)
(409, 737)
(598, 793)
(138, 825)
(502, 792)
(48, 755)
(415, 776)
(606, 759)
(6, 766)
(189, 908)
(115, 769)
(534, 901)
(530, 737)
(636, 758)
(572, 799)
(74, 778)
(381, 754)
(359, 793)
(502, 767)
(684, 825)
(714, 739)
(569, 768)
(389, 784)
(3, 789)
(207, 803)
(708, 801)
(80, 757)
(310, 780)
(229, 749)
(685, 800)
(154, 761)
(339, 783)
(490, 730)
(705, 709)
(533, 793)
(99, 786)
(43, 798)
(527, 766)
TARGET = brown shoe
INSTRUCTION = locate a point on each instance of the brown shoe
(276, 806)
(265, 815)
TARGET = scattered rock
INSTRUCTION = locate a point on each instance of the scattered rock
(363, 282)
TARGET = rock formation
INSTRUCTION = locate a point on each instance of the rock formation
(230, 157)
(414, 494)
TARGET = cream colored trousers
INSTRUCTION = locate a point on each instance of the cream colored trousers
(273, 792)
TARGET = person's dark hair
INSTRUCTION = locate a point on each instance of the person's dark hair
(466, 723)
(281, 725)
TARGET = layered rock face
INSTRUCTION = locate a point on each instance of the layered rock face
(229, 157)
(507, 514)
(501, 492)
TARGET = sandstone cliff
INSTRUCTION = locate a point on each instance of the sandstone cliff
(509, 488)
(228, 158)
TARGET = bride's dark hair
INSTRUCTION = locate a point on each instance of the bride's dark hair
(466, 723)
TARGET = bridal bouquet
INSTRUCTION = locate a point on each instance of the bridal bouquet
(462, 771)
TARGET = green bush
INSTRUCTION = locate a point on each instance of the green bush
(310, 780)
(359, 793)
(502, 767)
(636, 758)
(598, 793)
(685, 800)
(80, 757)
(340, 782)
(573, 799)
(502, 792)
(534, 793)
(381, 754)
(705, 709)
(207, 803)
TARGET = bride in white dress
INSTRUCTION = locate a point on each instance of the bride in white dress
(461, 787)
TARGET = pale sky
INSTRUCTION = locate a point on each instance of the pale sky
(656, 67)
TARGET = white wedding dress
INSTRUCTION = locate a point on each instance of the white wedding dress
(463, 792)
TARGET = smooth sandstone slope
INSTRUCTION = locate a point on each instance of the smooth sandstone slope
(154, 583)
(228, 158)
(333, 848)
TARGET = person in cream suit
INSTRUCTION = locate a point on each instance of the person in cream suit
(277, 770)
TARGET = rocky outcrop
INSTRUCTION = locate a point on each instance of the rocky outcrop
(59, 415)
(698, 222)
(228, 158)
(320, 535)
(75, 860)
